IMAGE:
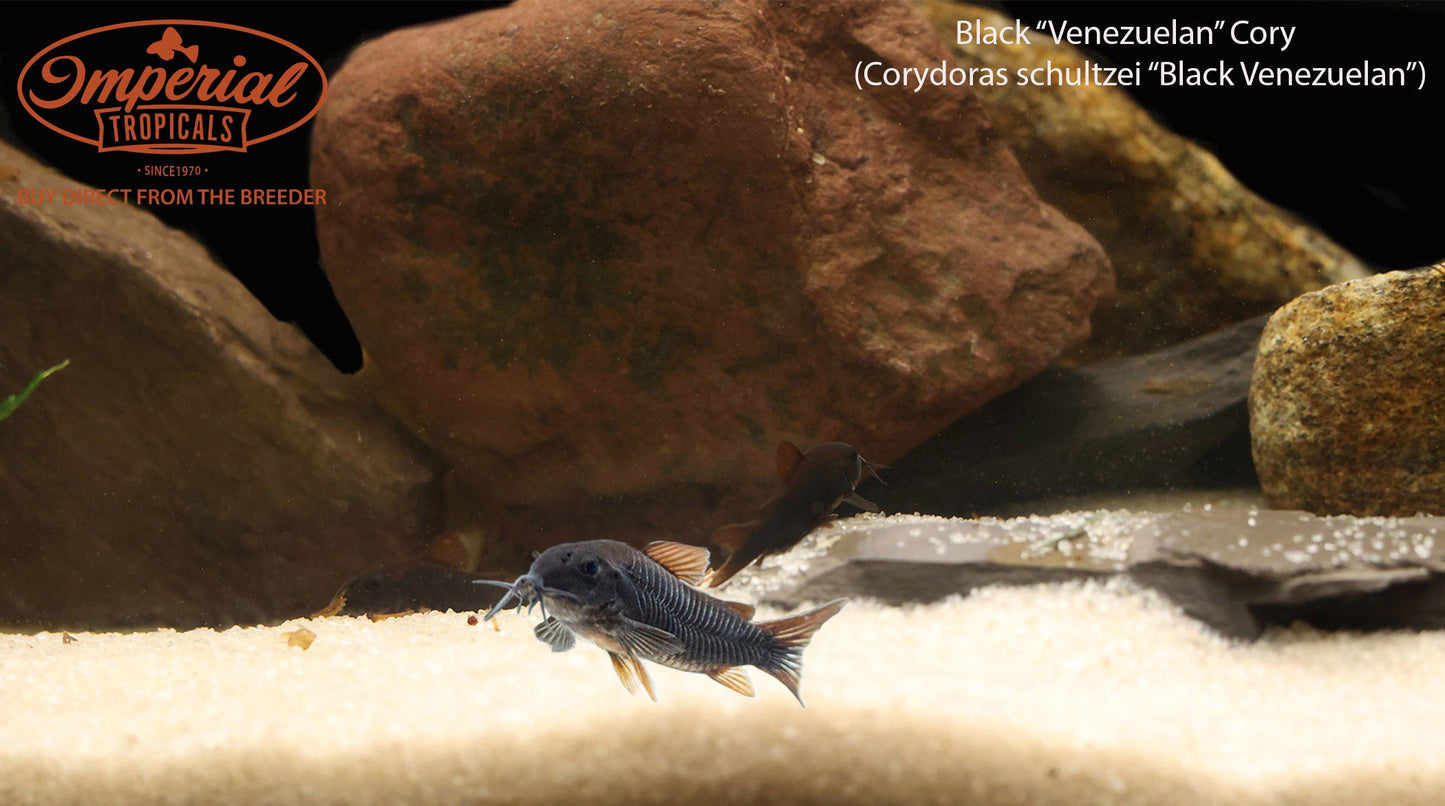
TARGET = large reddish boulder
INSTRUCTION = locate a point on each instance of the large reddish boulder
(604, 255)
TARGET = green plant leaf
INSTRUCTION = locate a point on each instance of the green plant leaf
(11, 403)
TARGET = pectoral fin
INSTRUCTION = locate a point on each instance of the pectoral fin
(338, 603)
(555, 634)
(862, 503)
(644, 640)
(687, 563)
(735, 678)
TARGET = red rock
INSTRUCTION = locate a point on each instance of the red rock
(604, 255)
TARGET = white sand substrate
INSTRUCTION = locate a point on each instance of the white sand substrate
(1063, 694)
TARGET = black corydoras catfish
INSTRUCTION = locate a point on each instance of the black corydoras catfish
(814, 484)
(642, 605)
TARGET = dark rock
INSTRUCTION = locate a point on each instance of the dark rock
(1345, 404)
(1240, 570)
(197, 463)
(603, 256)
(1236, 570)
(1174, 418)
(1193, 250)
(901, 559)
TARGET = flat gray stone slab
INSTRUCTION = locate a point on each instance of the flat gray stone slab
(1237, 570)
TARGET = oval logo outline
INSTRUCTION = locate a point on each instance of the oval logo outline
(198, 149)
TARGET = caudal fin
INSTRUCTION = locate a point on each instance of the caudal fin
(793, 634)
(735, 543)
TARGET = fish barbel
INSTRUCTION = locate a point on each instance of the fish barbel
(643, 605)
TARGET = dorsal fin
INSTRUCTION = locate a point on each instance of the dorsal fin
(735, 678)
(455, 549)
(741, 608)
(687, 563)
(787, 457)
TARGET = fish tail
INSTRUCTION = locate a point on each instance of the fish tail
(733, 541)
(792, 635)
(731, 538)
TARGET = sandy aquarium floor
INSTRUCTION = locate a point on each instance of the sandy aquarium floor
(1075, 693)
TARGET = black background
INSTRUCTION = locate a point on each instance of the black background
(1362, 164)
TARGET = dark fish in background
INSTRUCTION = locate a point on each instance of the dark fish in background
(642, 605)
(404, 588)
(442, 578)
(814, 484)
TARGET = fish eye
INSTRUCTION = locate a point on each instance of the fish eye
(591, 567)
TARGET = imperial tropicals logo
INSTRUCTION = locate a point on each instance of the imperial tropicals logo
(172, 87)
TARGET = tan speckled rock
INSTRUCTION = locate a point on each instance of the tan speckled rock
(1192, 248)
(1345, 403)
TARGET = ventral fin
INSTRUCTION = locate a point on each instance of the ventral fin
(742, 609)
(687, 563)
(645, 640)
(735, 678)
(623, 667)
(555, 634)
(787, 458)
(862, 503)
(644, 677)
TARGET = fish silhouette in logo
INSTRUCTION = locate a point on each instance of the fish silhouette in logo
(169, 43)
